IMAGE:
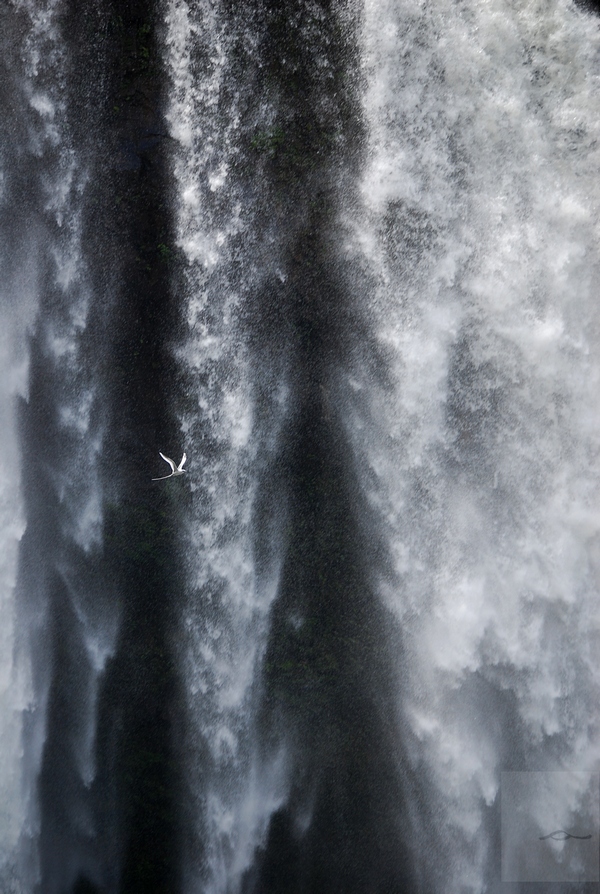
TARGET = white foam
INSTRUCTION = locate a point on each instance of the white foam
(479, 235)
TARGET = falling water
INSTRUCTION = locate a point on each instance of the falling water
(345, 256)
(477, 235)
(231, 416)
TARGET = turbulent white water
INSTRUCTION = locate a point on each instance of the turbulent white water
(45, 303)
(479, 233)
(231, 421)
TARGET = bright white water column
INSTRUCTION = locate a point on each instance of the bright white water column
(229, 440)
(480, 447)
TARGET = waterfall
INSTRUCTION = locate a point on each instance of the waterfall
(231, 412)
(477, 231)
(345, 257)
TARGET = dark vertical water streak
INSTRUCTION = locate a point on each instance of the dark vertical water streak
(119, 832)
(138, 786)
(328, 681)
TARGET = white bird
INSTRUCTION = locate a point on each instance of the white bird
(175, 470)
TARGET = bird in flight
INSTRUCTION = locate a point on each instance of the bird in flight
(175, 470)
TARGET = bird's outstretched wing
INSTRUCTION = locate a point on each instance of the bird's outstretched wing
(164, 477)
(167, 460)
(180, 466)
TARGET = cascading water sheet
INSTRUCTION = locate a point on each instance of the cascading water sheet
(61, 632)
(231, 412)
(479, 445)
(17, 306)
(345, 255)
